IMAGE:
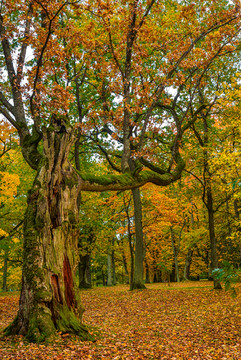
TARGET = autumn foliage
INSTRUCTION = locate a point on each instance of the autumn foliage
(140, 98)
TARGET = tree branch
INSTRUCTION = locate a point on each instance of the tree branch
(23, 50)
(9, 118)
(89, 182)
(6, 103)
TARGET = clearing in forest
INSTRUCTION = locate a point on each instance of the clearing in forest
(183, 321)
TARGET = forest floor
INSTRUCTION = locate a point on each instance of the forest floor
(184, 321)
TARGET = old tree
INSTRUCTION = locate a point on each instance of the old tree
(107, 71)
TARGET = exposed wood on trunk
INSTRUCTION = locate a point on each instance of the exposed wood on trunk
(56, 288)
(68, 284)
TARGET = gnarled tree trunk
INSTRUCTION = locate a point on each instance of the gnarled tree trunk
(49, 300)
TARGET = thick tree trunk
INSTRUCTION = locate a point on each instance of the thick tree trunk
(49, 300)
(138, 282)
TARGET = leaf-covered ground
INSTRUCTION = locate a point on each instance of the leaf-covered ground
(184, 321)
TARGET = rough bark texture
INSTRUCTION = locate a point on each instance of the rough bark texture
(49, 300)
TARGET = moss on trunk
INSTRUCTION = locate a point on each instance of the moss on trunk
(137, 286)
(50, 300)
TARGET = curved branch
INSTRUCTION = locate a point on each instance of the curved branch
(195, 176)
(5, 113)
(151, 166)
(126, 181)
(114, 167)
(6, 103)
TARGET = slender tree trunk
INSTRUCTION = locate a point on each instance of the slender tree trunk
(175, 254)
(176, 269)
(84, 272)
(188, 263)
(88, 271)
(147, 281)
(109, 272)
(213, 241)
(173, 273)
(113, 265)
(125, 268)
(138, 282)
(103, 277)
(130, 242)
(132, 258)
(231, 249)
(5, 269)
(159, 275)
(49, 300)
(238, 229)
(81, 269)
(155, 280)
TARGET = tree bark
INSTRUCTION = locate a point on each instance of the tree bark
(49, 300)
(109, 273)
(125, 268)
(188, 262)
(84, 272)
(113, 264)
(147, 281)
(88, 271)
(132, 256)
(207, 192)
(213, 241)
(138, 282)
(175, 254)
(103, 277)
(238, 228)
